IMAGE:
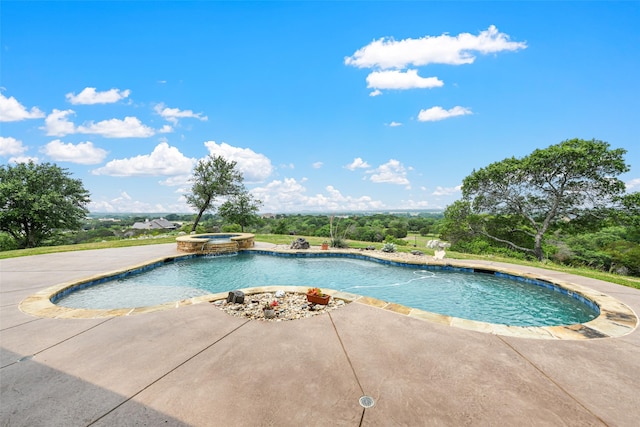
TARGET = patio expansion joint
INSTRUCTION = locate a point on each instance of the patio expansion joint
(554, 382)
(344, 350)
(127, 399)
(20, 324)
(59, 342)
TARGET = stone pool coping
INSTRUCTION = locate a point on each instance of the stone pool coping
(616, 319)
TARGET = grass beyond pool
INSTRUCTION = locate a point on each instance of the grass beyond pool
(474, 296)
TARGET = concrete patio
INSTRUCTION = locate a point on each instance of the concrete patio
(197, 366)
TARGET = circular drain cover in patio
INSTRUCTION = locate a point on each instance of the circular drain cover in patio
(366, 402)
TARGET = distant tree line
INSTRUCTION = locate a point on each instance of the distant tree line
(563, 203)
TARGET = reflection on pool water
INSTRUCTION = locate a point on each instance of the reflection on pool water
(474, 296)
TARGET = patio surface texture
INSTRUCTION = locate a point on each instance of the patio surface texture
(197, 366)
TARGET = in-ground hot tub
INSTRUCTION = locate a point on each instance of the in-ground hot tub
(215, 243)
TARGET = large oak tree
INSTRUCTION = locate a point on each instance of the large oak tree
(39, 200)
(529, 195)
(213, 177)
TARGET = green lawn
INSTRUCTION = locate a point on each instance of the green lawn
(87, 246)
(419, 241)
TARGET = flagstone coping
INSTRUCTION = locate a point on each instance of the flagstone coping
(616, 319)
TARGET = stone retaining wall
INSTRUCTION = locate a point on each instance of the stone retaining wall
(199, 243)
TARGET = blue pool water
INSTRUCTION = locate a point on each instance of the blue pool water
(219, 238)
(475, 296)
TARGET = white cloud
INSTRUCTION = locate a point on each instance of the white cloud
(125, 203)
(289, 196)
(446, 191)
(173, 114)
(254, 166)
(280, 196)
(392, 172)
(396, 79)
(164, 160)
(12, 111)
(90, 96)
(165, 129)
(130, 127)
(375, 93)
(83, 153)
(24, 159)
(357, 163)
(387, 53)
(634, 183)
(57, 124)
(437, 113)
(394, 124)
(10, 146)
(412, 204)
(178, 181)
(317, 165)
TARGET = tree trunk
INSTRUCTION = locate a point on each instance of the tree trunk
(204, 207)
(537, 247)
(195, 223)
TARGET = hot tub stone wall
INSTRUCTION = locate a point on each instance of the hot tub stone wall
(198, 243)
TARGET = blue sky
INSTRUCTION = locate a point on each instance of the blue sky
(325, 106)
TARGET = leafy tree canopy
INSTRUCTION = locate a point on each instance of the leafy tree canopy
(37, 201)
(213, 177)
(560, 183)
(240, 209)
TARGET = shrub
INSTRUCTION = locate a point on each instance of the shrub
(389, 247)
(231, 228)
(338, 242)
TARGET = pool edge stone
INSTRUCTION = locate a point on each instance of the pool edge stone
(616, 319)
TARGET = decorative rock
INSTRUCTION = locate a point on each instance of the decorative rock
(279, 294)
(290, 307)
(236, 297)
(300, 243)
(418, 253)
(438, 244)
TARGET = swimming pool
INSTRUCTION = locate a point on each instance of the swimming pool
(453, 292)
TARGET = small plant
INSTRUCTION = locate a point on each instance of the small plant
(339, 243)
(270, 305)
(315, 291)
(338, 239)
(389, 247)
(269, 309)
(316, 296)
